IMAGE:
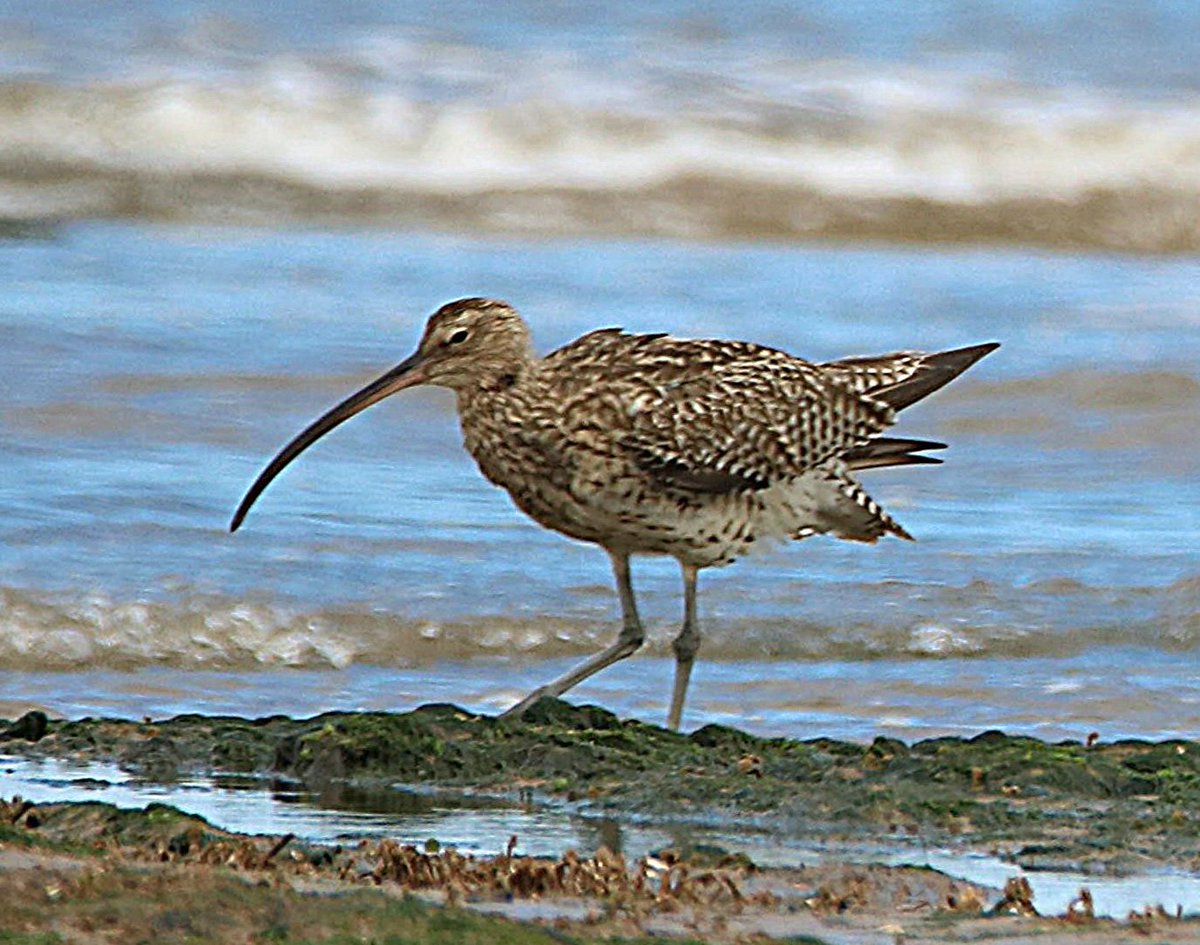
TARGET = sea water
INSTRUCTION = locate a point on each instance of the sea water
(218, 221)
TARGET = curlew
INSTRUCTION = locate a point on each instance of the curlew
(649, 444)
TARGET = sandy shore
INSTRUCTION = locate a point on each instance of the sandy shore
(81, 872)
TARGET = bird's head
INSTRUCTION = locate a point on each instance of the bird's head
(474, 342)
(470, 343)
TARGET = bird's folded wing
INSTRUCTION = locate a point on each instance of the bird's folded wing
(711, 416)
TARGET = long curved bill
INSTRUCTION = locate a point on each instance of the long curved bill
(407, 373)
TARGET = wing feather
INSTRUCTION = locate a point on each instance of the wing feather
(711, 416)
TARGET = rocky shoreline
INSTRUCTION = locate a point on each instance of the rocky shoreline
(1100, 808)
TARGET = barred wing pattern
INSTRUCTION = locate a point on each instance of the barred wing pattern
(716, 416)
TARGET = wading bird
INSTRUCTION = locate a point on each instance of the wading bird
(648, 444)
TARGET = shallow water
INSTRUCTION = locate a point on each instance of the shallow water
(215, 222)
(150, 372)
(482, 826)
(1127, 694)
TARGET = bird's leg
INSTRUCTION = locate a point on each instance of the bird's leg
(628, 642)
(685, 645)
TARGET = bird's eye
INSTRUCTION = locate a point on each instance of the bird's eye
(458, 337)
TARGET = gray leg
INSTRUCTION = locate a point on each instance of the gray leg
(685, 645)
(628, 642)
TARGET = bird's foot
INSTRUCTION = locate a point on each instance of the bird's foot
(516, 711)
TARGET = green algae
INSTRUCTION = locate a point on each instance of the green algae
(87, 828)
(1133, 797)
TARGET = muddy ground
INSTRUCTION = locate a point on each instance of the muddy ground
(91, 873)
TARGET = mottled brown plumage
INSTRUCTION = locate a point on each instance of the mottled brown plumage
(648, 444)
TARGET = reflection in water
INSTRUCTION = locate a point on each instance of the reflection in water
(605, 832)
(482, 824)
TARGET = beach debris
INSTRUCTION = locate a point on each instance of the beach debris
(905, 891)
(662, 881)
(278, 847)
(1081, 909)
(1149, 917)
(1017, 898)
(852, 889)
(751, 765)
(656, 879)
(13, 811)
(965, 897)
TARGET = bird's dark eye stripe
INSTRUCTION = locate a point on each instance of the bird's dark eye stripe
(458, 337)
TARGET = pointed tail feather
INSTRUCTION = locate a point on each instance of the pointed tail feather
(936, 371)
(892, 451)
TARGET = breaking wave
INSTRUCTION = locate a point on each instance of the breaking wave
(832, 151)
(44, 631)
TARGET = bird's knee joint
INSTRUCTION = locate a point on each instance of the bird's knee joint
(686, 646)
(632, 635)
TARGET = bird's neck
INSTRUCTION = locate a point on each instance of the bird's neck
(499, 380)
(492, 412)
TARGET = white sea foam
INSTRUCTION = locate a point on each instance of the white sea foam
(808, 150)
(57, 631)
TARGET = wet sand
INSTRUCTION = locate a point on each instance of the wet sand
(92, 872)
